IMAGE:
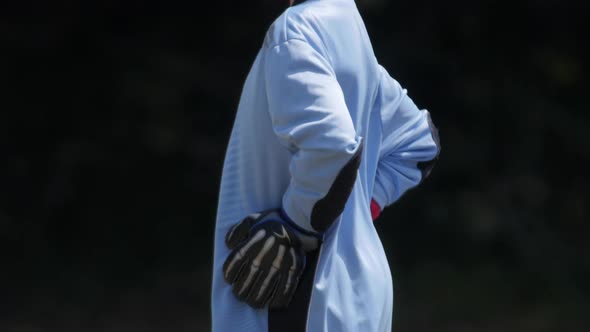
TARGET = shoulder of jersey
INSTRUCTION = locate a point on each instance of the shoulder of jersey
(295, 23)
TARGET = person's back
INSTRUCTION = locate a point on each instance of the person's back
(317, 111)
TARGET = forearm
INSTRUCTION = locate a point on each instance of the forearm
(310, 117)
(410, 144)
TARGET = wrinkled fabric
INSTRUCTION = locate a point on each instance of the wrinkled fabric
(314, 94)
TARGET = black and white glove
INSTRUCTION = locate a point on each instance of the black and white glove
(267, 259)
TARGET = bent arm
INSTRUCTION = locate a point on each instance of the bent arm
(310, 117)
(410, 144)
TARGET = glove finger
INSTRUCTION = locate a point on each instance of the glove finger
(287, 297)
(245, 280)
(291, 273)
(262, 253)
(240, 253)
(277, 300)
(295, 270)
(278, 296)
(255, 290)
(240, 231)
(262, 300)
(264, 286)
(233, 264)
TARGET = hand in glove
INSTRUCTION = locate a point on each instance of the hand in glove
(267, 258)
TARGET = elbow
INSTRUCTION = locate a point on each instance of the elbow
(427, 166)
(328, 209)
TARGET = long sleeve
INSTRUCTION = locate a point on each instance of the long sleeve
(410, 143)
(310, 117)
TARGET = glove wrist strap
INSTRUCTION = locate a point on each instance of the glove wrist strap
(298, 228)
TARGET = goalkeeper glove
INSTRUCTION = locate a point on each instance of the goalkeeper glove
(267, 259)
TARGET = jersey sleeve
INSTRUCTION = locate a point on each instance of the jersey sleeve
(410, 144)
(310, 117)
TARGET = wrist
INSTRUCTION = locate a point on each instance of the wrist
(309, 240)
(297, 227)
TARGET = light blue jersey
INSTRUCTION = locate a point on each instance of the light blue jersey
(314, 96)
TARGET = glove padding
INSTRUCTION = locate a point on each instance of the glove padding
(267, 259)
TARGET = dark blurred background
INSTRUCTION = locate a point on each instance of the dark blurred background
(113, 125)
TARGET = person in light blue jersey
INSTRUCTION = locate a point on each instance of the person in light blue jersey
(324, 138)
